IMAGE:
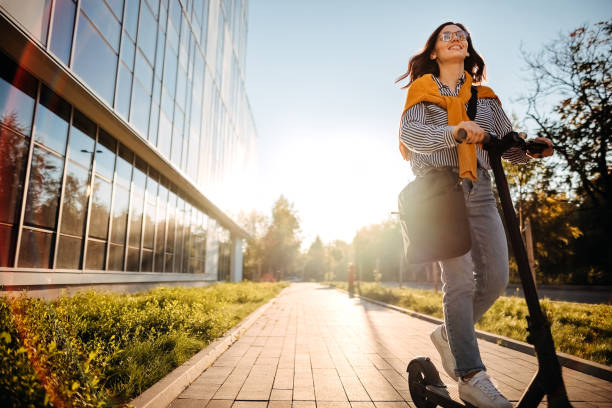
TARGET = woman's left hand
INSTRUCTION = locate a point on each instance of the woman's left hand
(544, 153)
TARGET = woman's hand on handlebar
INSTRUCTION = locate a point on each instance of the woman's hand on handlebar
(475, 134)
(548, 151)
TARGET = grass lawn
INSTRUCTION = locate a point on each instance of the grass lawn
(103, 349)
(583, 330)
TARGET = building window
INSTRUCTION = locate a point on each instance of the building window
(63, 26)
(94, 60)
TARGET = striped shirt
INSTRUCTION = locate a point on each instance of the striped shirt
(425, 131)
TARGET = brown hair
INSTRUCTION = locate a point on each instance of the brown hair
(421, 63)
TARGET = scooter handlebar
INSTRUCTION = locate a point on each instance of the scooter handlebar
(511, 139)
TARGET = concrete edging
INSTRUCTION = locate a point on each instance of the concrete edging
(166, 390)
(566, 360)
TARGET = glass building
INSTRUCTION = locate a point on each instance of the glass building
(124, 130)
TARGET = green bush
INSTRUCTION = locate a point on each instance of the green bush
(583, 330)
(101, 349)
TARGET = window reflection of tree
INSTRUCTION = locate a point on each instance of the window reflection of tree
(75, 200)
(43, 190)
(13, 152)
(13, 149)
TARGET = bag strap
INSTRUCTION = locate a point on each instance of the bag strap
(473, 104)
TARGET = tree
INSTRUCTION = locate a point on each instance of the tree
(281, 242)
(256, 225)
(576, 71)
(316, 265)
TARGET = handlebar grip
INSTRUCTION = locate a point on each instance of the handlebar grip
(462, 134)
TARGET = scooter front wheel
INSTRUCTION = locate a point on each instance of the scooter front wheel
(421, 373)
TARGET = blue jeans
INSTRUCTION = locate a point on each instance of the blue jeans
(472, 282)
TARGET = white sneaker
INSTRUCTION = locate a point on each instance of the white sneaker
(480, 392)
(448, 360)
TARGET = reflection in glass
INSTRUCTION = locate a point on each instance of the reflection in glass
(95, 255)
(128, 50)
(132, 260)
(170, 65)
(164, 137)
(120, 211)
(139, 114)
(117, 7)
(105, 155)
(100, 209)
(124, 166)
(63, 24)
(8, 236)
(43, 189)
(153, 123)
(124, 88)
(75, 199)
(169, 261)
(146, 41)
(68, 252)
(147, 261)
(131, 17)
(115, 257)
(34, 15)
(82, 139)
(13, 158)
(136, 220)
(35, 251)
(52, 119)
(95, 61)
(103, 19)
(143, 72)
(17, 93)
(149, 227)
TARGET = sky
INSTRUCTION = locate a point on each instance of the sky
(320, 79)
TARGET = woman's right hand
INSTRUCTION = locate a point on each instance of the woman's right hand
(475, 134)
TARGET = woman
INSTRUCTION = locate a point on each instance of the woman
(441, 76)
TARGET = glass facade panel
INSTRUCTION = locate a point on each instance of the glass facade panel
(82, 139)
(143, 72)
(120, 212)
(104, 20)
(63, 26)
(44, 189)
(105, 155)
(115, 257)
(131, 17)
(34, 16)
(8, 235)
(117, 7)
(13, 158)
(149, 227)
(68, 252)
(132, 260)
(124, 166)
(124, 88)
(52, 119)
(128, 51)
(141, 103)
(35, 249)
(147, 261)
(74, 205)
(94, 60)
(17, 93)
(100, 208)
(95, 255)
(146, 41)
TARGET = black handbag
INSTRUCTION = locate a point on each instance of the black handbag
(433, 215)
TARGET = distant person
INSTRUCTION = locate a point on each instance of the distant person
(441, 76)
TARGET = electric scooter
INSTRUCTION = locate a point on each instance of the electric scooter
(426, 387)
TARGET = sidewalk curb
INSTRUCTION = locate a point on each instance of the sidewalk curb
(162, 393)
(566, 360)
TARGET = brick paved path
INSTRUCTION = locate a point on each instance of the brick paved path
(316, 348)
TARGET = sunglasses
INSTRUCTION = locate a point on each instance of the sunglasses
(459, 35)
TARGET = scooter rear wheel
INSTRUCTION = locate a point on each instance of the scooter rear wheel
(418, 372)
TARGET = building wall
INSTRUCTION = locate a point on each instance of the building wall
(73, 194)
